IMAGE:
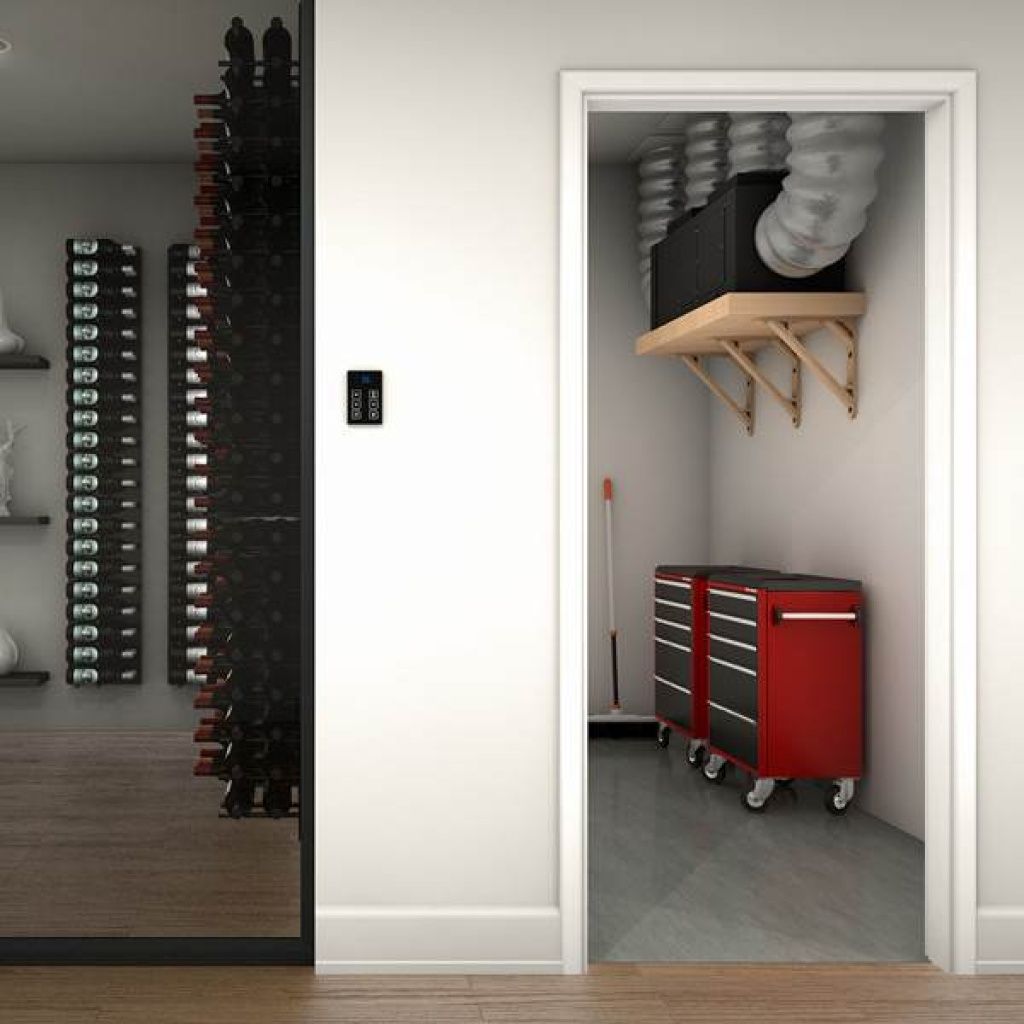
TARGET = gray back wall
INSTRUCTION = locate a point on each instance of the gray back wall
(40, 206)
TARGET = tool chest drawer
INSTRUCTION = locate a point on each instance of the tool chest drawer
(733, 687)
(735, 604)
(738, 652)
(672, 661)
(674, 632)
(733, 735)
(673, 702)
(673, 605)
(733, 627)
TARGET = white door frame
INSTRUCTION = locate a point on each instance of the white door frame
(948, 101)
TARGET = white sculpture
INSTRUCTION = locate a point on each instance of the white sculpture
(10, 343)
(8, 653)
(7, 467)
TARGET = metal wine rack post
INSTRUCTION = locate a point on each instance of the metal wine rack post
(104, 503)
(235, 432)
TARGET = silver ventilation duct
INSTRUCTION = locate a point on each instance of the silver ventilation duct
(660, 201)
(707, 157)
(824, 200)
(757, 142)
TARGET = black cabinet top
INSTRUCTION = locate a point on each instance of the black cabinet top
(704, 571)
(784, 582)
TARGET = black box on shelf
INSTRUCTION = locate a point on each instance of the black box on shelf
(711, 251)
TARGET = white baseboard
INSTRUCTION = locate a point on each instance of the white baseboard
(414, 940)
(1000, 940)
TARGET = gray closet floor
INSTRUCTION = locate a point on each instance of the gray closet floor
(680, 871)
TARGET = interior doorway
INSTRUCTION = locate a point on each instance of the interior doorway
(946, 104)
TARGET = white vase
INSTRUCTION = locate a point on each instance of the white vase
(10, 343)
(8, 653)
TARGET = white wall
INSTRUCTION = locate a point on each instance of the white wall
(40, 206)
(648, 432)
(845, 498)
(437, 151)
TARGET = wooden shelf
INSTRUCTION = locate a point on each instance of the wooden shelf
(24, 520)
(23, 679)
(738, 324)
(24, 362)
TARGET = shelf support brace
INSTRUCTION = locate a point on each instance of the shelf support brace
(846, 394)
(744, 413)
(751, 369)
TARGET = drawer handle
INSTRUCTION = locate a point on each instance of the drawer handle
(782, 616)
(674, 625)
(734, 595)
(674, 686)
(662, 582)
(734, 667)
(672, 643)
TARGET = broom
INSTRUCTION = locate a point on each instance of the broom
(615, 705)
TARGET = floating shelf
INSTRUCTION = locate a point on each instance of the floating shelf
(24, 520)
(738, 324)
(23, 362)
(23, 679)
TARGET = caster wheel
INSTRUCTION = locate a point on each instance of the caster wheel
(695, 756)
(714, 772)
(664, 735)
(834, 802)
(755, 807)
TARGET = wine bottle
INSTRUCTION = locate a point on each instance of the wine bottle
(93, 562)
(91, 654)
(103, 291)
(114, 523)
(100, 248)
(113, 358)
(101, 334)
(87, 632)
(90, 483)
(239, 798)
(90, 462)
(93, 376)
(93, 312)
(93, 611)
(92, 398)
(105, 270)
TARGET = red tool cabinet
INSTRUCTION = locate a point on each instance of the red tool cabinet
(785, 681)
(680, 652)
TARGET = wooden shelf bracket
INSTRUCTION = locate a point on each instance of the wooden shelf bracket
(744, 413)
(846, 393)
(791, 403)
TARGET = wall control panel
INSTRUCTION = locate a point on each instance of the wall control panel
(365, 398)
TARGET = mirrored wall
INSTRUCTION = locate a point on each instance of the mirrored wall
(155, 617)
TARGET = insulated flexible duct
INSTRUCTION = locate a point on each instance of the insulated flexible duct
(660, 201)
(707, 157)
(757, 142)
(824, 200)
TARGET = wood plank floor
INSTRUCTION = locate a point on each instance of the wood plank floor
(630, 994)
(109, 834)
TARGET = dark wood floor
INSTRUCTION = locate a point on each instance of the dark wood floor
(110, 834)
(620, 995)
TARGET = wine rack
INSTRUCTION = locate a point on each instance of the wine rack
(235, 432)
(104, 524)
